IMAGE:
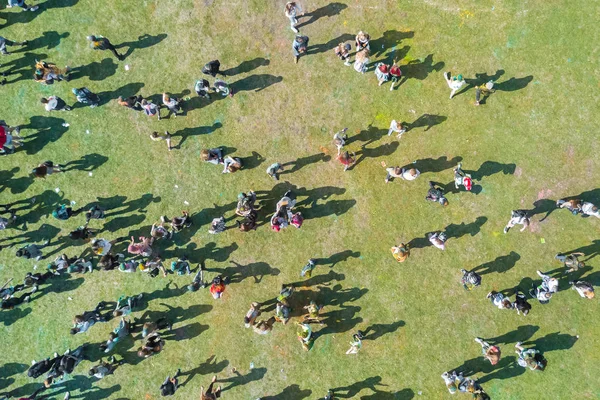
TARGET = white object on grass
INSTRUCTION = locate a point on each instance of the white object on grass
(87, 131)
(57, 190)
(90, 174)
(186, 203)
(65, 124)
(126, 67)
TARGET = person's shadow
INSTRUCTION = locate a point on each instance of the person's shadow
(142, 42)
(304, 161)
(324, 47)
(375, 331)
(428, 121)
(553, 341)
(88, 162)
(473, 228)
(95, 71)
(208, 367)
(513, 84)
(246, 66)
(330, 10)
(196, 131)
(389, 40)
(500, 265)
(521, 334)
(290, 392)
(439, 164)
(420, 70)
(16, 185)
(21, 66)
(255, 82)
(380, 151)
(49, 40)
(336, 258)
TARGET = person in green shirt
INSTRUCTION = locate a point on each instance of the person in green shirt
(101, 43)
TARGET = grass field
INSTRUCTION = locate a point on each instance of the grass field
(533, 141)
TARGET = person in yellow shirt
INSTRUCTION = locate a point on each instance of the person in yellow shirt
(101, 43)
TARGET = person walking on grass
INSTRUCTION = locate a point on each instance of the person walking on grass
(299, 46)
(253, 313)
(343, 52)
(223, 88)
(7, 42)
(355, 344)
(54, 103)
(347, 160)
(210, 394)
(21, 3)
(436, 194)
(395, 74)
(339, 140)
(202, 88)
(45, 169)
(490, 353)
(98, 42)
(571, 261)
(86, 96)
(273, 170)
(382, 72)
(517, 217)
(361, 59)
(397, 127)
(212, 68)
(486, 89)
(401, 252)
(170, 385)
(150, 108)
(521, 304)
(455, 83)
(292, 10)
(172, 104)
(157, 137)
(462, 179)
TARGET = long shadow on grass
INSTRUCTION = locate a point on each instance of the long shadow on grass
(116, 205)
(336, 258)
(48, 130)
(380, 151)
(500, 265)
(208, 367)
(521, 334)
(321, 48)
(375, 331)
(196, 131)
(144, 41)
(404, 394)
(290, 392)
(553, 341)
(16, 185)
(351, 391)
(255, 83)
(435, 164)
(49, 40)
(23, 67)
(255, 374)
(95, 71)
(330, 10)
(46, 231)
(367, 136)
(9, 369)
(88, 163)
(419, 70)
(427, 120)
(302, 162)
(239, 273)
(24, 17)
(390, 39)
(246, 66)
(127, 90)
(452, 231)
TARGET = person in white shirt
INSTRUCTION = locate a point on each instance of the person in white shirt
(54, 103)
(455, 83)
(293, 10)
(397, 127)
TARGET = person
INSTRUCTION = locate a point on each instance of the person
(343, 52)
(455, 83)
(217, 225)
(299, 46)
(438, 239)
(142, 248)
(297, 219)
(63, 212)
(339, 140)
(157, 137)
(32, 251)
(181, 266)
(98, 42)
(202, 88)
(362, 41)
(577, 206)
(101, 247)
(132, 102)
(544, 291)
(65, 365)
(39, 368)
(313, 311)
(125, 305)
(282, 312)
(436, 194)
(517, 217)
(7, 42)
(470, 279)
(104, 368)
(85, 96)
(395, 74)
(217, 287)
(170, 385)
(158, 231)
(10, 139)
(347, 160)
(408, 174)
(153, 344)
(180, 223)
(110, 261)
(211, 68)
(382, 72)
(61, 263)
(150, 108)
(490, 353)
(82, 233)
(530, 358)
(462, 179)
(486, 89)
(293, 10)
(585, 289)
(213, 156)
(499, 300)
(46, 73)
(223, 87)
(46, 168)
(83, 322)
(571, 261)
(401, 252)
(153, 267)
(252, 314)
(231, 165)
(397, 127)
(451, 380)
(6, 223)
(521, 304)
(263, 327)
(588, 209)
(305, 336)
(361, 59)
(95, 212)
(249, 222)
(273, 170)
(210, 394)
(307, 270)
(54, 103)
(285, 292)
(245, 203)
(355, 344)
(172, 104)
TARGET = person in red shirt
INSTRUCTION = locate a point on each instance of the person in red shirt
(217, 287)
(347, 160)
(395, 74)
(490, 353)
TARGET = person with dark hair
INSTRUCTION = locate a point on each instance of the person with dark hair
(104, 368)
(544, 291)
(436, 194)
(438, 239)
(7, 42)
(343, 52)
(83, 322)
(60, 263)
(153, 344)
(253, 313)
(245, 203)
(98, 42)
(120, 332)
(217, 287)
(210, 394)
(263, 327)
(39, 368)
(81, 266)
(125, 305)
(282, 312)
(143, 247)
(82, 233)
(222, 87)
(249, 222)
(54, 103)
(521, 304)
(179, 223)
(499, 300)
(170, 385)
(470, 279)
(159, 231)
(347, 160)
(217, 225)
(213, 156)
(46, 73)
(355, 344)
(517, 217)
(181, 266)
(231, 165)
(362, 41)
(530, 358)
(45, 169)
(202, 88)
(299, 46)
(32, 251)
(96, 212)
(585, 289)
(211, 68)
(273, 170)
(63, 212)
(110, 261)
(150, 109)
(571, 261)
(86, 96)
(132, 102)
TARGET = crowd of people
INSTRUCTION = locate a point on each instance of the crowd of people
(141, 255)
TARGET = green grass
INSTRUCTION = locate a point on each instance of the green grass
(548, 129)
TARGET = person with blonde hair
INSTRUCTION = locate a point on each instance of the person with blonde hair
(361, 60)
(343, 52)
(401, 252)
(292, 10)
(362, 41)
(213, 156)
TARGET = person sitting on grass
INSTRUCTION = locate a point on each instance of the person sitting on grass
(81, 266)
(223, 87)
(490, 353)
(202, 88)
(299, 46)
(355, 344)
(397, 127)
(571, 261)
(180, 223)
(153, 344)
(438, 239)
(517, 217)
(54, 103)
(231, 165)
(85, 96)
(499, 300)
(401, 252)
(343, 52)
(217, 287)
(253, 313)
(585, 289)
(470, 279)
(172, 104)
(530, 358)
(249, 222)
(521, 304)
(455, 83)
(126, 305)
(213, 156)
(263, 327)
(104, 368)
(245, 203)
(282, 312)
(132, 102)
(120, 332)
(361, 61)
(181, 266)
(83, 322)
(362, 41)
(305, 336)
(462, 179)
(436, 194)
(382, 72)
(45, 169)
(46, 73)
(544, 291)
(150, 108)
(217, 225)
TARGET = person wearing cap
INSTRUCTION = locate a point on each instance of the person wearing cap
(362, 41)
(343, 52)
(361, 59)
(299, 46)
(395, 74)
(486, 89)
(436, 194)
(455, 83)
(571, 261)
(293, 10)
(98, 42)
(382, 72)
(401, 252)
(7, 42)
(585, 289)
(460, 178)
